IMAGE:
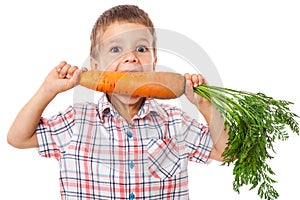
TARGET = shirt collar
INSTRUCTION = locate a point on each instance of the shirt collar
(150, 106)
(105, 107)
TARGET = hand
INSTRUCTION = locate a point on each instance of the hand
(194, 80)
(63, 77)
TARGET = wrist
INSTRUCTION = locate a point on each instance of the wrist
(46, 93)
(206, 108)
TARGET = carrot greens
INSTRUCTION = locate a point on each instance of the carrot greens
(255, 121)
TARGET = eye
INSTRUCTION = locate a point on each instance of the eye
(115, 49)
(141, 49)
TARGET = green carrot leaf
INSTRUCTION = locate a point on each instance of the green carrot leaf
(255, 122)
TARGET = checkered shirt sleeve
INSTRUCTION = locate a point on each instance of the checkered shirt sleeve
(55, 133)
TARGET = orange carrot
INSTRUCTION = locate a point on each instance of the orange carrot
(160, 85)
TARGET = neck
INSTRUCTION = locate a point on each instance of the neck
(126, 106)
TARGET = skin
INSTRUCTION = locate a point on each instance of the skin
(125, 47)
(120, 50)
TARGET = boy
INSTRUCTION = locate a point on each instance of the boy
(123, 147)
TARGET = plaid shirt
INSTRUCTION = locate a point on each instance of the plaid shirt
(103, 157)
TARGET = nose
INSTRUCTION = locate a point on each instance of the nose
(130, 57)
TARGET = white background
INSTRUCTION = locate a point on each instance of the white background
(255, 46)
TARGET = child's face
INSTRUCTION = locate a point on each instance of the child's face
(126, 47)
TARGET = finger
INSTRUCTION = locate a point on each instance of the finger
(188, 87)
(75, 78)
(71, 71)
(60, 66)
(189, 92)
(84, 69)
(201, 79)
(64, 71)
(187, 76)
(195, 80)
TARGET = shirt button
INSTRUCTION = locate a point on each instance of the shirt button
(131, 164)
(131, 196)
(106, 111)
(129, 134)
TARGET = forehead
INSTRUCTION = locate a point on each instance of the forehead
(118, 31)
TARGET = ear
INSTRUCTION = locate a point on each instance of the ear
(94, 63)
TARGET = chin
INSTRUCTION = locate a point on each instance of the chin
(125, 99)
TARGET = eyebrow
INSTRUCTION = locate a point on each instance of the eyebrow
(116, 40)
(120, 40)
(143, 40)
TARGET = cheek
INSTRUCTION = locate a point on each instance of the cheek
(112, 67)
(148, 68)
(148, 63)
(108, 63)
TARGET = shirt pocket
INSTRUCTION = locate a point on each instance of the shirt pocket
(163, 158)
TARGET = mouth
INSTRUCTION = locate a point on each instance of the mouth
(127, 70)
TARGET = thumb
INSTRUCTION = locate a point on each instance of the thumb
(75, 79)
(188, 88)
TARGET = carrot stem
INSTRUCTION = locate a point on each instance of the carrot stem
(255, 121)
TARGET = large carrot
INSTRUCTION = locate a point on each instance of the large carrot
(254, 120)
(160, 85)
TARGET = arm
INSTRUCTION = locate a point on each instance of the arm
(211, 114)
(22, 131)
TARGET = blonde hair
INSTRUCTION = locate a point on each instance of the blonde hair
(121, 13)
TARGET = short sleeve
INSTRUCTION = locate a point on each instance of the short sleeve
(197, 140)
(55, 133)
